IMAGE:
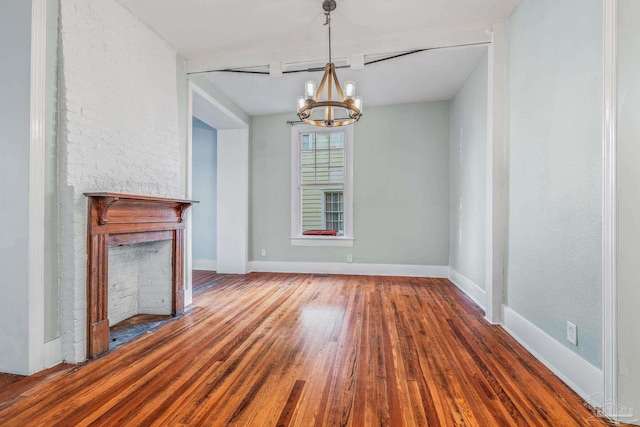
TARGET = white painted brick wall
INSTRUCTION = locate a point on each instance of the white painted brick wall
(118, 131)
(124, 265)
(139, 280)
(154, 279)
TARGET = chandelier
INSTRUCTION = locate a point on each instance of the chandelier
(347, 102)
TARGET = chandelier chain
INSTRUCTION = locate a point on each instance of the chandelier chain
(312, 100)
(329, 21)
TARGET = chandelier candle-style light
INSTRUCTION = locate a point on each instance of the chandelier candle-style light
(347, 101)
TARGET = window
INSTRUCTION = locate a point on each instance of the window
(334, 211)
(321, 179)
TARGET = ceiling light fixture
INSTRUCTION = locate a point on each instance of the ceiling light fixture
(311, 100)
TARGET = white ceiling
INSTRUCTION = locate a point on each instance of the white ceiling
(426, 76)
(219, 34)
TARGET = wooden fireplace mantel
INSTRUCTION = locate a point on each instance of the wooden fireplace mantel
(121, 219)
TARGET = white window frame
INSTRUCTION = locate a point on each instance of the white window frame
(297, 239)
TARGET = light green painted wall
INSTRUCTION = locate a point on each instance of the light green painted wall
(628, 157)
(554, 96)
(401, 188)
(51, 316)
(468, 175)
(15, 45)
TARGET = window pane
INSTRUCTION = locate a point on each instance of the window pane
(308, 176)
(337, 140)
(322, 181)
(334, 217)
(322, 141)
(322, 175)
(322, 158)
(307, 159)
(337, 157)
(311, 208)
(337, 175)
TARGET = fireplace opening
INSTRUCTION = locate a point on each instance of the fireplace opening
(139, 294)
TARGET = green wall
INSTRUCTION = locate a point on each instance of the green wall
(554, 136)
(468, 176)
(401, 188)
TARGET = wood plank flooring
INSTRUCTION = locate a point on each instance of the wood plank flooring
(302, 350)
(203, 280)
(6, 379)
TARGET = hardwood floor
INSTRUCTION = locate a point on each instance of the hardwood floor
(6, 379)
(303, 350)
(203, 278)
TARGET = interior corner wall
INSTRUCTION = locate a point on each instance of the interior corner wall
(401, 188)
(628, 188)
(204, 84)
(554, 136)
(468, 154)
(205, 192)
(118, 131)
(15, 87)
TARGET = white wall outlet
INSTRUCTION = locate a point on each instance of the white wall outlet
(264, 252)
(349, 258)
(572, 333)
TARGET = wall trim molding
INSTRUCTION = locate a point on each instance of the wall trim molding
(52, 353)
(440, 271)
(205, 264)
(609, 211)
(37, 186)
(466, 285)
(584, 378)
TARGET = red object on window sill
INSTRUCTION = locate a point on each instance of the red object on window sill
(319, 233)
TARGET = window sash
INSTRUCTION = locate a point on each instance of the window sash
(345, 141)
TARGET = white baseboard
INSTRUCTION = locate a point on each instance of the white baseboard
(584, 378)
(473, 291)
(204, 264)
(52, 353)
(350, 268)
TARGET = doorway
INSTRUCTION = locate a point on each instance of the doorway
(218, 177)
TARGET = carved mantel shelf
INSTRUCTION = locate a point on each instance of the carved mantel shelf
(120, 219)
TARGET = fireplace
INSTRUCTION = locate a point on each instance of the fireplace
(121, 219)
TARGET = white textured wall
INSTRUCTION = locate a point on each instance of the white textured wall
(554, 95)
(15, 83)
(233, 227)
(118, 132)
(468, 157)
(628, 85)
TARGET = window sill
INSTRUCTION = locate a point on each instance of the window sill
(342, 241)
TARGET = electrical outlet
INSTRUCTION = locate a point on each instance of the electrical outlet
(349, 258)
(264, 252)
(572, 333)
